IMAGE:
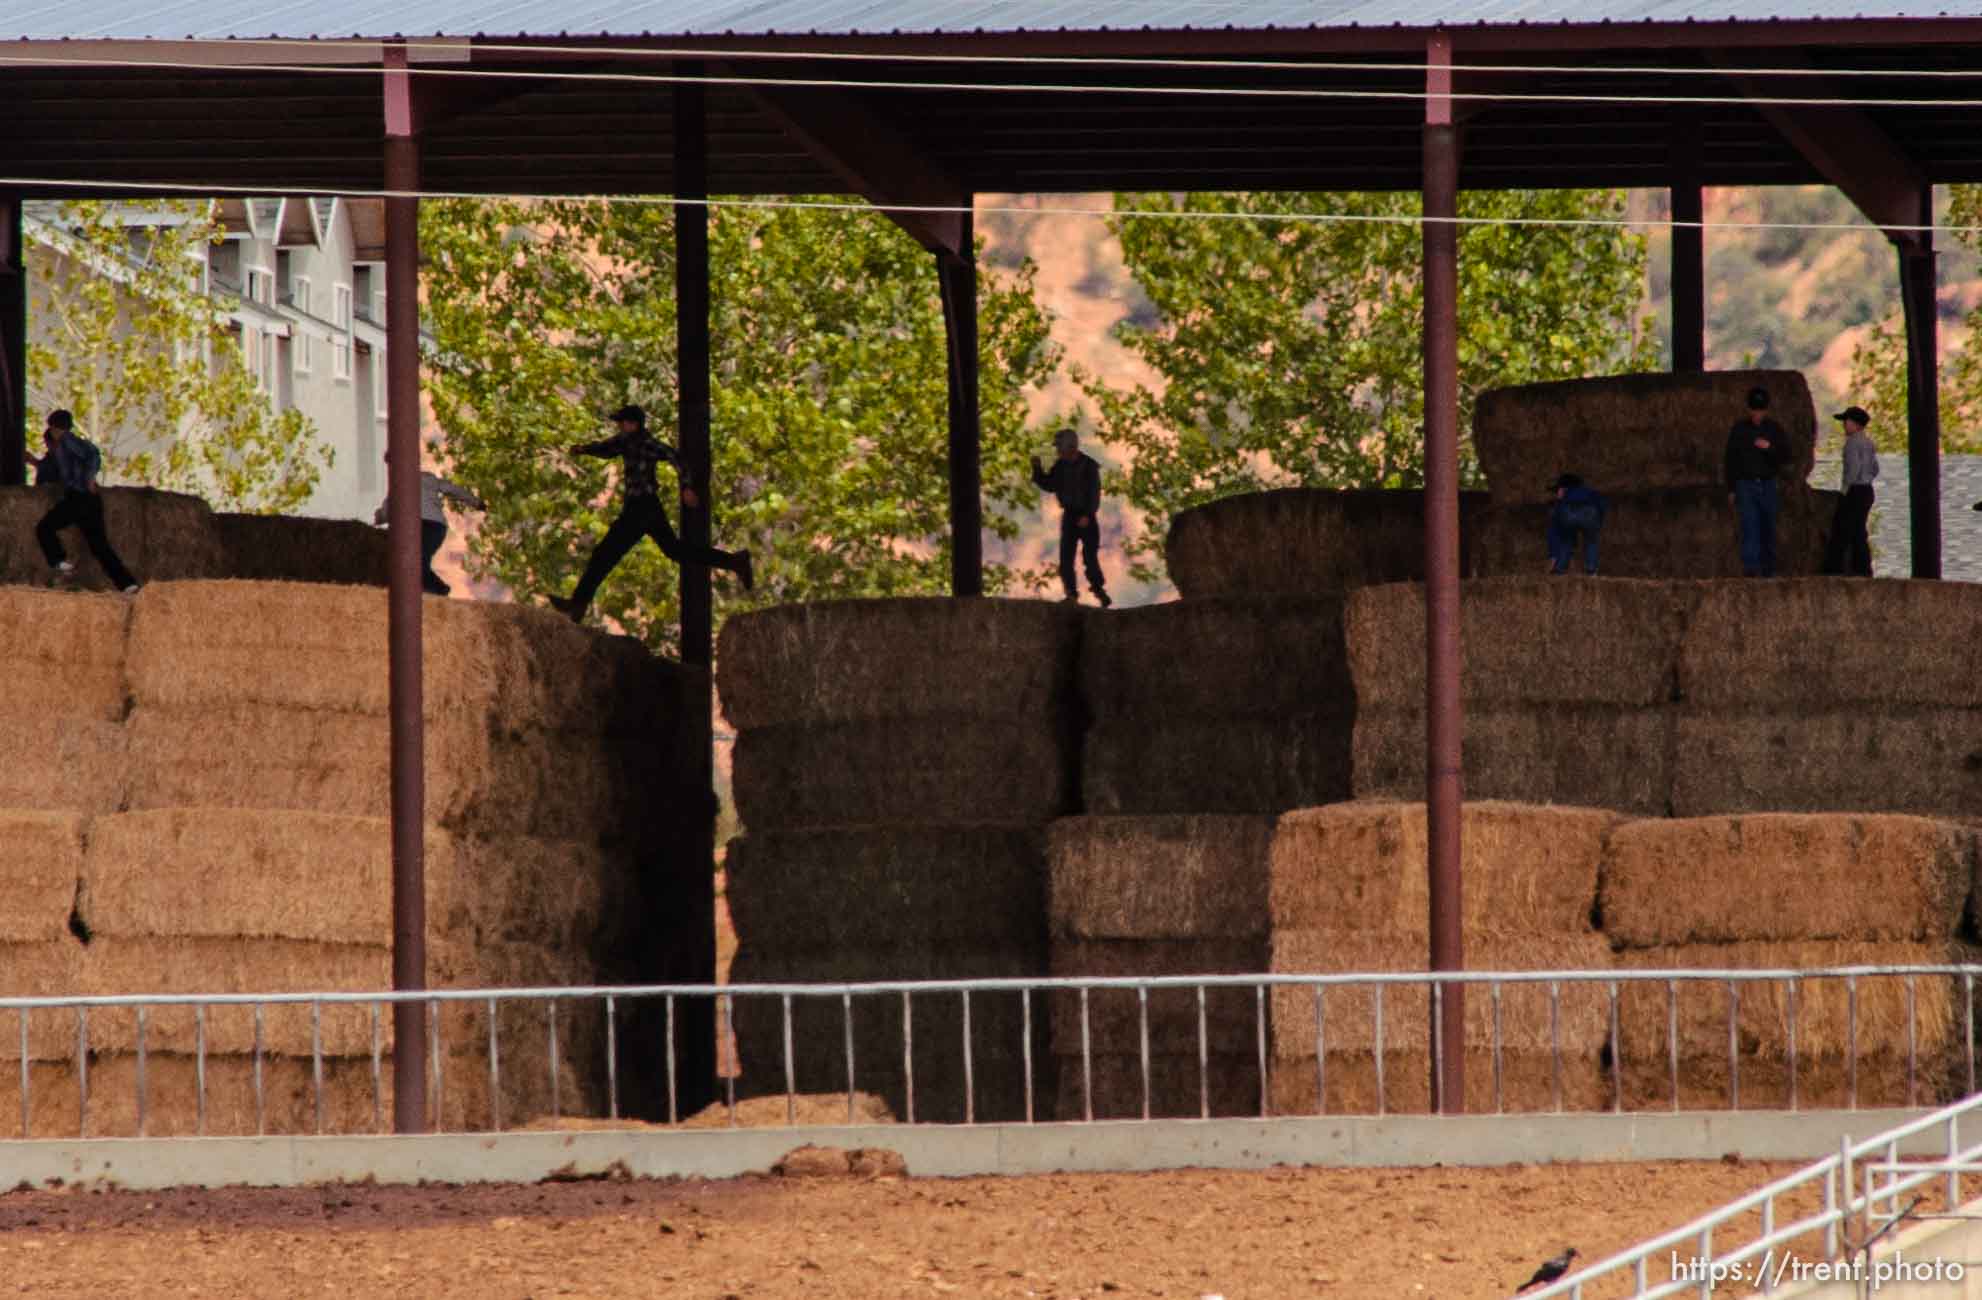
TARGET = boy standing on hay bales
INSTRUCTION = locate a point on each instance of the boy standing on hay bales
(1075, 480)
(77, 463)
(1578, 509)
(1849, 550)
(435, 491)
(1757, 449)
(641, 514)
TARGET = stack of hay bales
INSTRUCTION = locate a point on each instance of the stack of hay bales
(160, 536)
(896, 764)
(1158, 895)
(1654, 445)
(1566, 690)
(1831, 696)
(277, 548)
(1349, 893)
(1789, 891)
(255, 775)
(1302, 542)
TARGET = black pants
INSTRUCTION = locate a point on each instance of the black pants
(1849, 550)
(82, 510)
(1088, 539)
(433, 536)
(642, 517)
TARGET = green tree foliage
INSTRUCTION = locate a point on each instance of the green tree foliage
(124, 337)
(829, 394)
(1290, 349)
(1878, 364)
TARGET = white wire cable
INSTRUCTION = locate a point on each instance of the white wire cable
(182, 189)
(996, 88)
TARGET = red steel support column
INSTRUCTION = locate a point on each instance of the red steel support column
(957, 278)
(693, 959)
(1689, 259)
(1918, 297)
(1443, 726)
(402, 386)
(13, 343)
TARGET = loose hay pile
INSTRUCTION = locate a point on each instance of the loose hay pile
(1218, 705)
(1160, 895)
(255, 857)
(1626, 433)
(1302, 542)
(1349, 893)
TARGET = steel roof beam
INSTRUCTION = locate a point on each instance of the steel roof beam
(874, 159)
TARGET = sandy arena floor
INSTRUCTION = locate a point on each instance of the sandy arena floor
(1272, 1235)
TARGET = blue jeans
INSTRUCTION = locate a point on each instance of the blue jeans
(1756, 500)
(1564, 522)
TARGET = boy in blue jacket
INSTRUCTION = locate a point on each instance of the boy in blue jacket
(1578, 509)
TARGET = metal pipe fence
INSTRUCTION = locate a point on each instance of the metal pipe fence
(578, 1041)
(1861, 1187)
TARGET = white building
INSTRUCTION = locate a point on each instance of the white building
(306, 280)
(302, 280)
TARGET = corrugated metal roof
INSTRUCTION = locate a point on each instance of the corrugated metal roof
(313, 19)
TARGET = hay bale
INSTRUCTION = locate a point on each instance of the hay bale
(288, 1097)
(1529, 870)
(1866, 759)
(1349, 1024)
(1115, 1016)
(130, 967)
(932, 770)
(47, 969)
(1822, 1082)
(294, 548)
(1623, 432)
(63, 653)
(1217, 658)
(1303, 542)
(160, 536)
(1175, 877)
(57, 763)
(219, 644)
(1529, 1083)
(866, 660)
(1677, 532)
(41, 860)
(819, 1029)
(1592, 756)
(547, 674)
(826, 893)
(227, 872)
(1526, 640)
(1217, 765)
(1228, 1086)
(1752, 646)
(1786, 876)
(558, 894)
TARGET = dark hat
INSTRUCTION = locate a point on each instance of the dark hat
(630, 412)
(1569, 481)
(1758, 399)
(61, 420)
(1856, 413)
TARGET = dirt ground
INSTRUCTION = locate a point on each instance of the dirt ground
(1275, 1234)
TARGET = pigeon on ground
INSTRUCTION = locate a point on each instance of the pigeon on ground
(1549, 1271)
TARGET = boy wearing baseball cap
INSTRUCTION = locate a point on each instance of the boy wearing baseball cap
(1848, 550)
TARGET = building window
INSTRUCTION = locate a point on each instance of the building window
(305, 337)
(340, 323)
(261, 286)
